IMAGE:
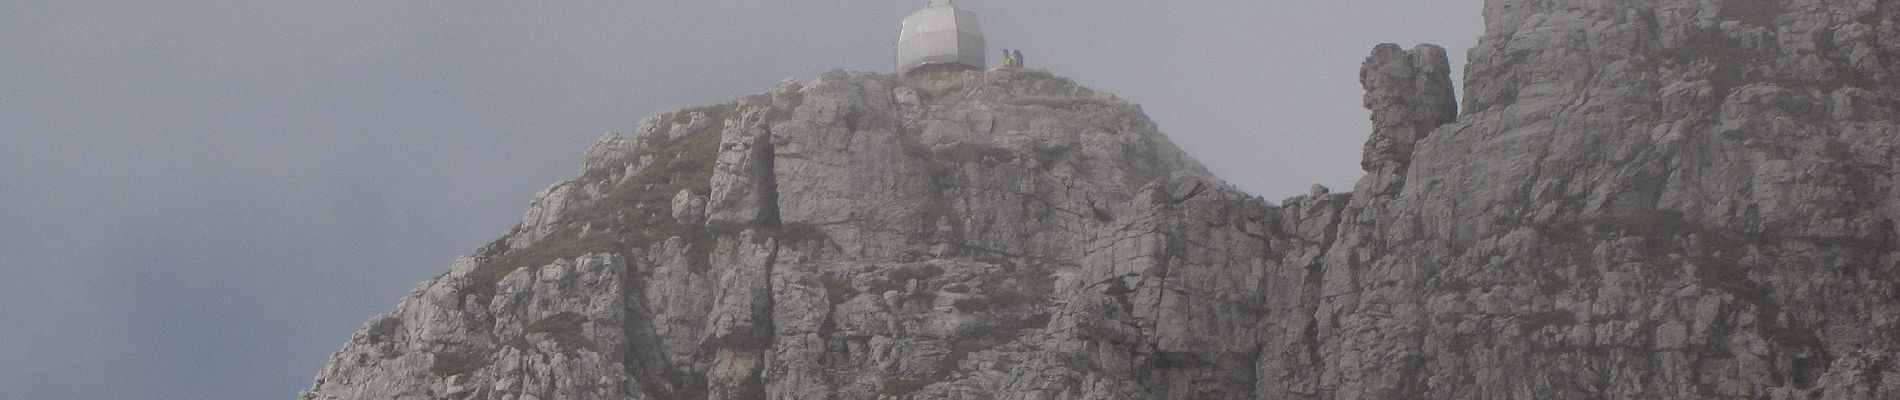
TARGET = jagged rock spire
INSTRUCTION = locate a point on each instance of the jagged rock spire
(1409, 94)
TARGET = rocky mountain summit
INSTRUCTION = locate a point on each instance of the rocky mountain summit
(1682, 199)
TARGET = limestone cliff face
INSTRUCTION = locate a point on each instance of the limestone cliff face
(1636, 199)
(1641, 199)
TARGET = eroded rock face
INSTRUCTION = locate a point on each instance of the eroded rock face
(1640, 199)
(862, 236)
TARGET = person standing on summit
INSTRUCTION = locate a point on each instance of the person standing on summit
(1008, 61)
(1017, 58)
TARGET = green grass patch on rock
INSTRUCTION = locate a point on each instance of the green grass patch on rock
(1555, 318)
(454, 363)
(634, 212)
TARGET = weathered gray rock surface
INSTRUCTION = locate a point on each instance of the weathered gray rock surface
(1682, 199)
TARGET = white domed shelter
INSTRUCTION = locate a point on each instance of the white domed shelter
(941, 36)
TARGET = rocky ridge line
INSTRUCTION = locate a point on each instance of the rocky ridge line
(1636, 199)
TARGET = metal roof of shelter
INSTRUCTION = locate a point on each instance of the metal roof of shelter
(941, 35)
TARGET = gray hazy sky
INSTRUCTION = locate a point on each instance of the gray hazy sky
(202, 199)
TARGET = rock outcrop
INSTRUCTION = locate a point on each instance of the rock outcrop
(1684, 199)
